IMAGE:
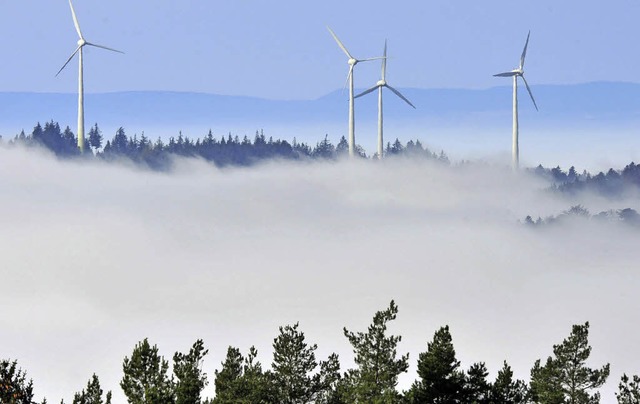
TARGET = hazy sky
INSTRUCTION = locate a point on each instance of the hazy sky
(281, 49)
(230, 255)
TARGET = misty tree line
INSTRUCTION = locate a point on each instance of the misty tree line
(224, 151)
(232, 151)
(613, 183)
(626, 216)
(297, 376)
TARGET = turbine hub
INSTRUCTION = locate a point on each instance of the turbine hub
(352, 61)
(381, 83)
(81, 42)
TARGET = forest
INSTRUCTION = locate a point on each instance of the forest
(297, 376)
(230, 150)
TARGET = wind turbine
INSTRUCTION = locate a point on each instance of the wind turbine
(352, 62)
(519, 72)
(379, 85)
(81, 44)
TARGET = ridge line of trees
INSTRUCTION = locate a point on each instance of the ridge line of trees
(223, 151)
(296, 376)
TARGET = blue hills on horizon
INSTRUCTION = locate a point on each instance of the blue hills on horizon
(599, 103)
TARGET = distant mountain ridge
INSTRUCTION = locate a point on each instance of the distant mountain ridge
(600, 103)
(598, 109)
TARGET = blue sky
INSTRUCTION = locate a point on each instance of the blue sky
(281, 49)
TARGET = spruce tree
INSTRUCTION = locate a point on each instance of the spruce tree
(95, 137)
(376, 377)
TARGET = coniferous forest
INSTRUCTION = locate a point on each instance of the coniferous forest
(296, 375)
(230, 150)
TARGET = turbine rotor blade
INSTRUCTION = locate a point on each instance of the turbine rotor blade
(367, 92)
(400, 95)
(68, 60)
(104, 47)
(370, 59)
(530, 93)
(346, 83)
(75, 20)
(384, 61)
(340, 44)
(524, 51)
(506, 74)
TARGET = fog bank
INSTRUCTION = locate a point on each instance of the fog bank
(97, 257)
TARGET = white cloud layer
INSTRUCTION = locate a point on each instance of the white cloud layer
(96, 257)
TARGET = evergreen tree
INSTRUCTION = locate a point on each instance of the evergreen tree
(95, 137)
(37, 133)
(293, 365)
(14, 387)
(565, 378)
(505, 390)
(242, 380)
(477, 389)
(92, 394)
(227, 380)
(376, 377)
(188, 371)
(324, 149)
(545, 386)
(120, 143)
(629, 390)
(145, 378)
(342, 149)
(441, 381)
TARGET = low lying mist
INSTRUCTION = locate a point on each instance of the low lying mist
(98, 256)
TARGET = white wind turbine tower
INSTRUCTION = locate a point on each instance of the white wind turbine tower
(519, 72)
(352, 62)
(81, 44)
(379, 85)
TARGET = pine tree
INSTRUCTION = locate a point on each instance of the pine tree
(477, 389)
(92, 394)
(14, 387)
(376, 377)
(629, 390)
(293, 365)
(441, 381)
(145, 378)
(227, 380)
(188, 371)
(506, 390)
(242, 380)
(565, 378)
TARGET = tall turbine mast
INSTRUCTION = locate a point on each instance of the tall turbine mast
(352, 62)
(519, 72)
(81, 44)
(379, 85)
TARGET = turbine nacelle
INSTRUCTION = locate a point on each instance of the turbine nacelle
(381, 83)
(353, 62)
(81, 42)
